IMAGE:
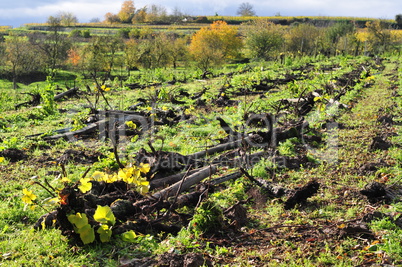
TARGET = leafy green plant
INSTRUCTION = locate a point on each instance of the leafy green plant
(79, 118)
(106, 163)
(148, 242)
(321, 102)
(12, 142)
(287, 148)
(261, 168)
(82, 227)
(106, 218)
(103, 215)
(208, 217)
(47, 95)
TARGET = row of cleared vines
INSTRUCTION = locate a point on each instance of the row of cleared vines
(194, 165)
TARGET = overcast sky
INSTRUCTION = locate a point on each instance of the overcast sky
(19, 12)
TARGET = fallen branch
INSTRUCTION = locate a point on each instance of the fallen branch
(188, 182)
(69, 93)
(168, 180)
(102, 125)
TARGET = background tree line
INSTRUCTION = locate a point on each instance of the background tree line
(35, 53)
(147, 14)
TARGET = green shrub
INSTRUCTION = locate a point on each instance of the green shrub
(86, 34)
(207, 218)
(75, 33)
(124, 33)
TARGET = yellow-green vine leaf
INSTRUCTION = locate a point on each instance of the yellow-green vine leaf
(98, 176)
(143, 186)
(87, 234)
(105, 233)
(145, 168)
(129, 236)
(85, 185)
(131, 124)
(79, 220)
(28, 196)
(317, 98)
(125, 175)
(104, 215)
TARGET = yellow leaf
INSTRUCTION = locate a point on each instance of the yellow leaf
(85, 185)
(112, 178)
(104, 215)
(98, 176)
(131, 124)
(145, 168)
(55, 200)
(125, 175)
(28, 196)
(341, 226)
(1, 159)
(136, 173)
(65, 180)
(143, 189)
(143, 186)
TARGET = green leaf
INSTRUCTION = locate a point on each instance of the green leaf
(129, 236)
(105, 233)
(79, 220)
(87, 234)
(104, 215)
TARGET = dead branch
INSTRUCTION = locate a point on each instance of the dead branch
(171, 179)
(189, 181)
(69, 93)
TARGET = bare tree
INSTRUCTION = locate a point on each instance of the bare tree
(67, 18)
(53, 45)
(246, 10)
(62, 19)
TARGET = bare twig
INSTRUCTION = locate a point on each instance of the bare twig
(86, 172)
(116, 155)
(44, 187)
(63, 169)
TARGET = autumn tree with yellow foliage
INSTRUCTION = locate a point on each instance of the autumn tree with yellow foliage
(215, 44)
(126, 12)
(379, 37)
